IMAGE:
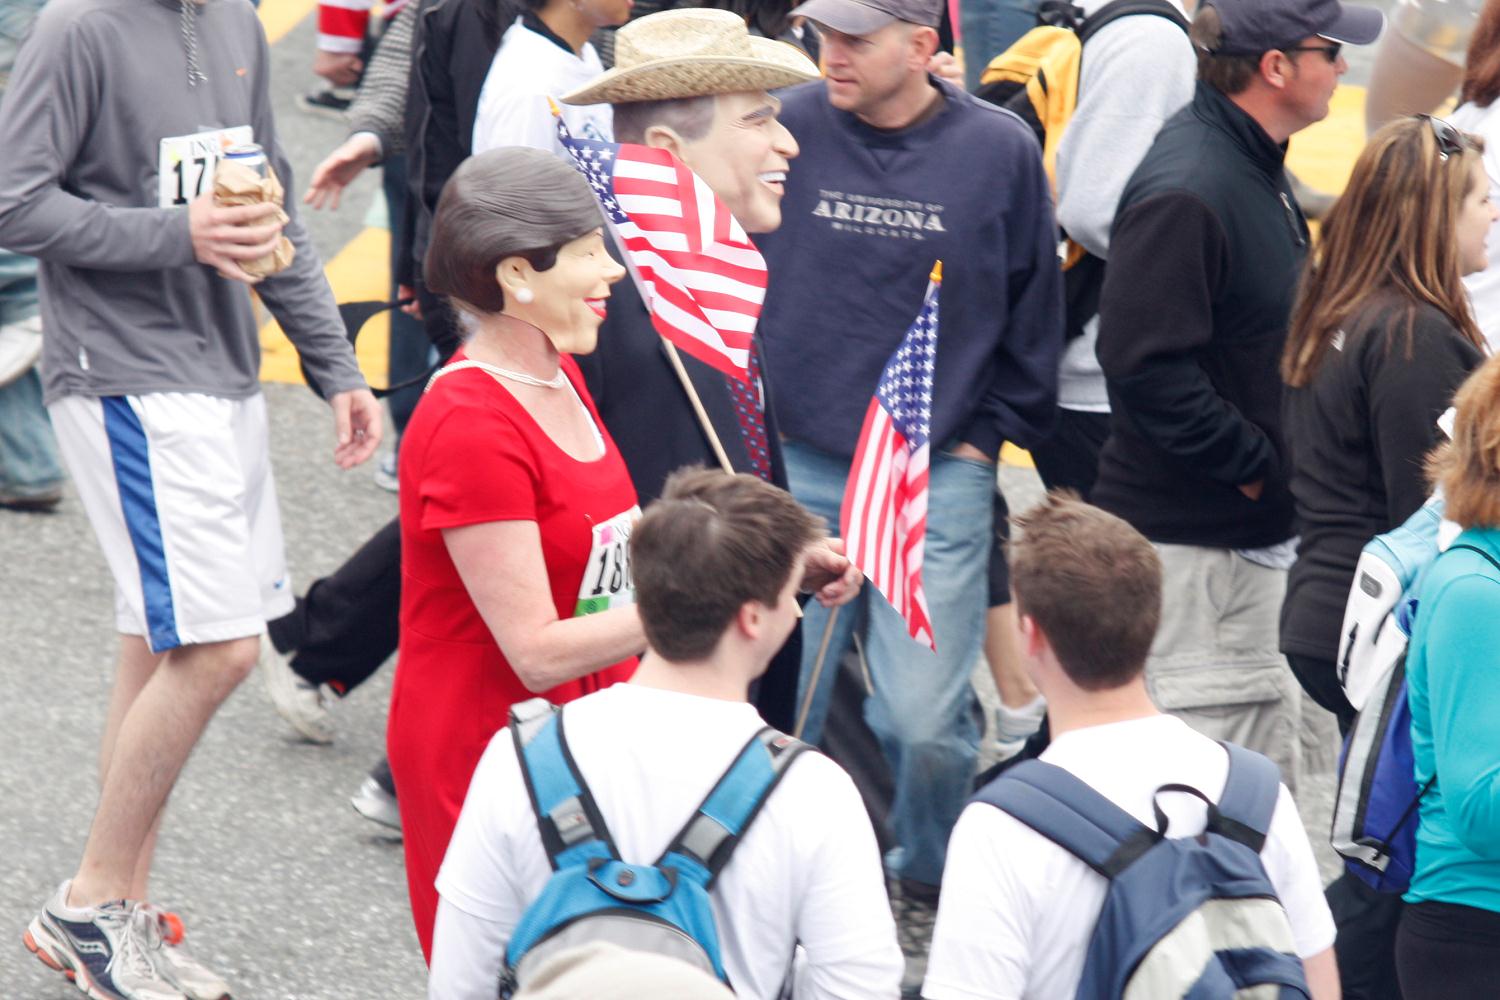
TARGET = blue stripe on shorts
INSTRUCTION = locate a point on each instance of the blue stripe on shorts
(132, 459)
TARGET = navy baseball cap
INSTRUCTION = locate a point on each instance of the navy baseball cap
(1255, 26)
(862, 17)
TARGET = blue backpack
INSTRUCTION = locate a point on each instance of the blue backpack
(1191, 917)
(1375, 812)
(592, 894)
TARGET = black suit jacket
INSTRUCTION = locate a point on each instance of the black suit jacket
(649, 416)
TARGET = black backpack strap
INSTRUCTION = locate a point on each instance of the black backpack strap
(1064, 809)
(1127, 8)
(571, 827)
(704, 846)
(1244, 811)
(1475, 548)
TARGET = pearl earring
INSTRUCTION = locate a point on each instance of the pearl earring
(524, 296)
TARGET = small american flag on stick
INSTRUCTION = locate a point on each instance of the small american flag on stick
(698, 273)
(884, 518)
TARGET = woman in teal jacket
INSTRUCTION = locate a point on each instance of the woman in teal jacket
(1449, 942)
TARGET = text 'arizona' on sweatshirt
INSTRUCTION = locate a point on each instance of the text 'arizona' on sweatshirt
(103, 145)
(866, 213)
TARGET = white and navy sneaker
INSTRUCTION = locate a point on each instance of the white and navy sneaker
(110, 952)
(192, 977)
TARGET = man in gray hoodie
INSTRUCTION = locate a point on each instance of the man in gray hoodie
(116, 114)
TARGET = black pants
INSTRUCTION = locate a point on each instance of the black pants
(1069, 459)
(1320, 679)
(347, 624)
(1448, 952)
(1366, 943)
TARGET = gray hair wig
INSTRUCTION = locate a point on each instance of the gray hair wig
(512, 202)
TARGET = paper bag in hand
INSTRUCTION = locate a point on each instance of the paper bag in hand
(238, 184)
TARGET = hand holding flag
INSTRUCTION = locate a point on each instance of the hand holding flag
(884, 517)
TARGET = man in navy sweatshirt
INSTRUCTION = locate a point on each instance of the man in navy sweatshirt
(899, 169)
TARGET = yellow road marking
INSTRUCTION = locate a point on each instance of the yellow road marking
(278, 17)
(359, 272)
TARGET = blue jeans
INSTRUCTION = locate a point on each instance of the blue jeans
(923, 711)
(409, 346)
(990, 27)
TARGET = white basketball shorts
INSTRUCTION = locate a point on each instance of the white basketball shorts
(179, 491)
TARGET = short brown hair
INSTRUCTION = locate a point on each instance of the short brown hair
(1467, 468)
(1228, 74)
(712, 542)
(689, 117)
(511, 202)
(1093, 585)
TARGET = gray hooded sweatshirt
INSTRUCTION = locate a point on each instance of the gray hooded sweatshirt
(126, 308)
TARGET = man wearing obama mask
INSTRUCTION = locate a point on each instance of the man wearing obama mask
(696, 82)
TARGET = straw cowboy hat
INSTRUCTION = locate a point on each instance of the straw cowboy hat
(692, 53)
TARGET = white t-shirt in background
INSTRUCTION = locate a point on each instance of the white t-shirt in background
(807, 873)
(1018, 911)
(527, 69)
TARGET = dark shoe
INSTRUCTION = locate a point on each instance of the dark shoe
(41, 498)
(330, 103)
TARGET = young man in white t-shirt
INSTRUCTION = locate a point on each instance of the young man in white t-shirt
(716, 563)
(1017, 910)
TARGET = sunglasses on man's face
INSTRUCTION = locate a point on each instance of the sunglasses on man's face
(1330, 52)
(1450, 141)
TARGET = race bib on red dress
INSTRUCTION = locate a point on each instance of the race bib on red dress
(606, 578)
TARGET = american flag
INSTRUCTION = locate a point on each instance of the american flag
(697, 271)
(884, 520)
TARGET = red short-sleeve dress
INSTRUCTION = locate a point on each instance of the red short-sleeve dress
(470, 455)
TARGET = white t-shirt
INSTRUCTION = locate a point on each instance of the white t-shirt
(1018, 911)
(527, 69)
(1484, 287)
(807, 873)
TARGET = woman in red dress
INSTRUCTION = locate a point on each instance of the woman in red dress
(515, 505)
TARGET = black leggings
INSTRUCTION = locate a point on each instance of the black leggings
(1445, 951)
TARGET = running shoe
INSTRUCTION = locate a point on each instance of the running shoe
(332, 102)
(110, 952)
(298, 700)
(377, 805)
(192, 977)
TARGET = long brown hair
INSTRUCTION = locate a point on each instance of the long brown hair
(1391, 230)
(1482, 63)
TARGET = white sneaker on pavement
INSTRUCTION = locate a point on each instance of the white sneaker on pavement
(110, 952)
(298, 700)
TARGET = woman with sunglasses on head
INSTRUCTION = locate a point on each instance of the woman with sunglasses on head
(1381, 336)
(1448, 945)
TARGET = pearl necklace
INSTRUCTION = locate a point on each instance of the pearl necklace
(555, 382)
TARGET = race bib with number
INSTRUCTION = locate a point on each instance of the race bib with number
(606, 579)
(185, 164)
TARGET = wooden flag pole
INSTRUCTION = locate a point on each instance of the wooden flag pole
(817, 672)
(692, 393)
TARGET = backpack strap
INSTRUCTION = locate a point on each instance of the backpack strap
(1127, 8)
(570, 824)
(703, 847)
(1064, 809)
(1475, 548)
(1244, 811)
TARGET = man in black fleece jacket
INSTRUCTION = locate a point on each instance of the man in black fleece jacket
(1205, 252)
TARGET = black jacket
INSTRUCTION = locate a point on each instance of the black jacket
(1205, 254)
(1357, 437)
(650, 418)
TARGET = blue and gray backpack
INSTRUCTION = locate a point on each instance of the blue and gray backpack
(1190, 917)
(595, 896)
